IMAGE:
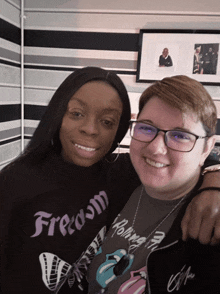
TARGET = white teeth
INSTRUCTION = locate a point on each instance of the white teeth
(85, 148)
(154, 163)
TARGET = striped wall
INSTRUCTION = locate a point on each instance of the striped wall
(59, 40)
(10, 89)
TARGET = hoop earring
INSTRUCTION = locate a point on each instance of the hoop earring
(116, 155)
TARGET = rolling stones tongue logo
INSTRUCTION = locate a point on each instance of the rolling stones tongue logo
(136, 284)
(116, 264)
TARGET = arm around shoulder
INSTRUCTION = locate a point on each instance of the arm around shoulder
(202, 218)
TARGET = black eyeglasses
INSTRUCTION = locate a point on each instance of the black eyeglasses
(174, 139)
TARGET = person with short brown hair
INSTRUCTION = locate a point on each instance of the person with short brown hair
(143, 251)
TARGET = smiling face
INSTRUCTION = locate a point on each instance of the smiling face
(90, 123)
(165, 173)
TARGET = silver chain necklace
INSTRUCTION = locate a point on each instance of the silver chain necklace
(163, 220)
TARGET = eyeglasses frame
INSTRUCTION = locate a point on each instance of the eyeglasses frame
(164, 131)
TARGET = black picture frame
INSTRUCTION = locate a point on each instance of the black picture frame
(194, 53)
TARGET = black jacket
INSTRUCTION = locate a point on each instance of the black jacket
(183, 267)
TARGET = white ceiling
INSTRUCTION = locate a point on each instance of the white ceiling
(197, 6)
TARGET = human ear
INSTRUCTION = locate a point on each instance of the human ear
(209, 145)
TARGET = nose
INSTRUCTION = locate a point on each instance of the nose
(89, 126)
(158, 146)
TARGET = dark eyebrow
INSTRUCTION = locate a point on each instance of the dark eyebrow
(182, 130)
(109, 110)
(104, 111)
(78, 100)
(175, 129)
(146, 121)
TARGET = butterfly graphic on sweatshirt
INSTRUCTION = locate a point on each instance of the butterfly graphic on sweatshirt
(55, 271)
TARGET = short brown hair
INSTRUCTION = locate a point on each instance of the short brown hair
(185, 94)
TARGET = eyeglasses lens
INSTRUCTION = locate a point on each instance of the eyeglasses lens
(143, 132)
(174, 139)
(180, 141)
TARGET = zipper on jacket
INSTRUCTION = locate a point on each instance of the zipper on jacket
(147, 276)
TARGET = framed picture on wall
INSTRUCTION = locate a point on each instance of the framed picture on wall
(194, 53)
